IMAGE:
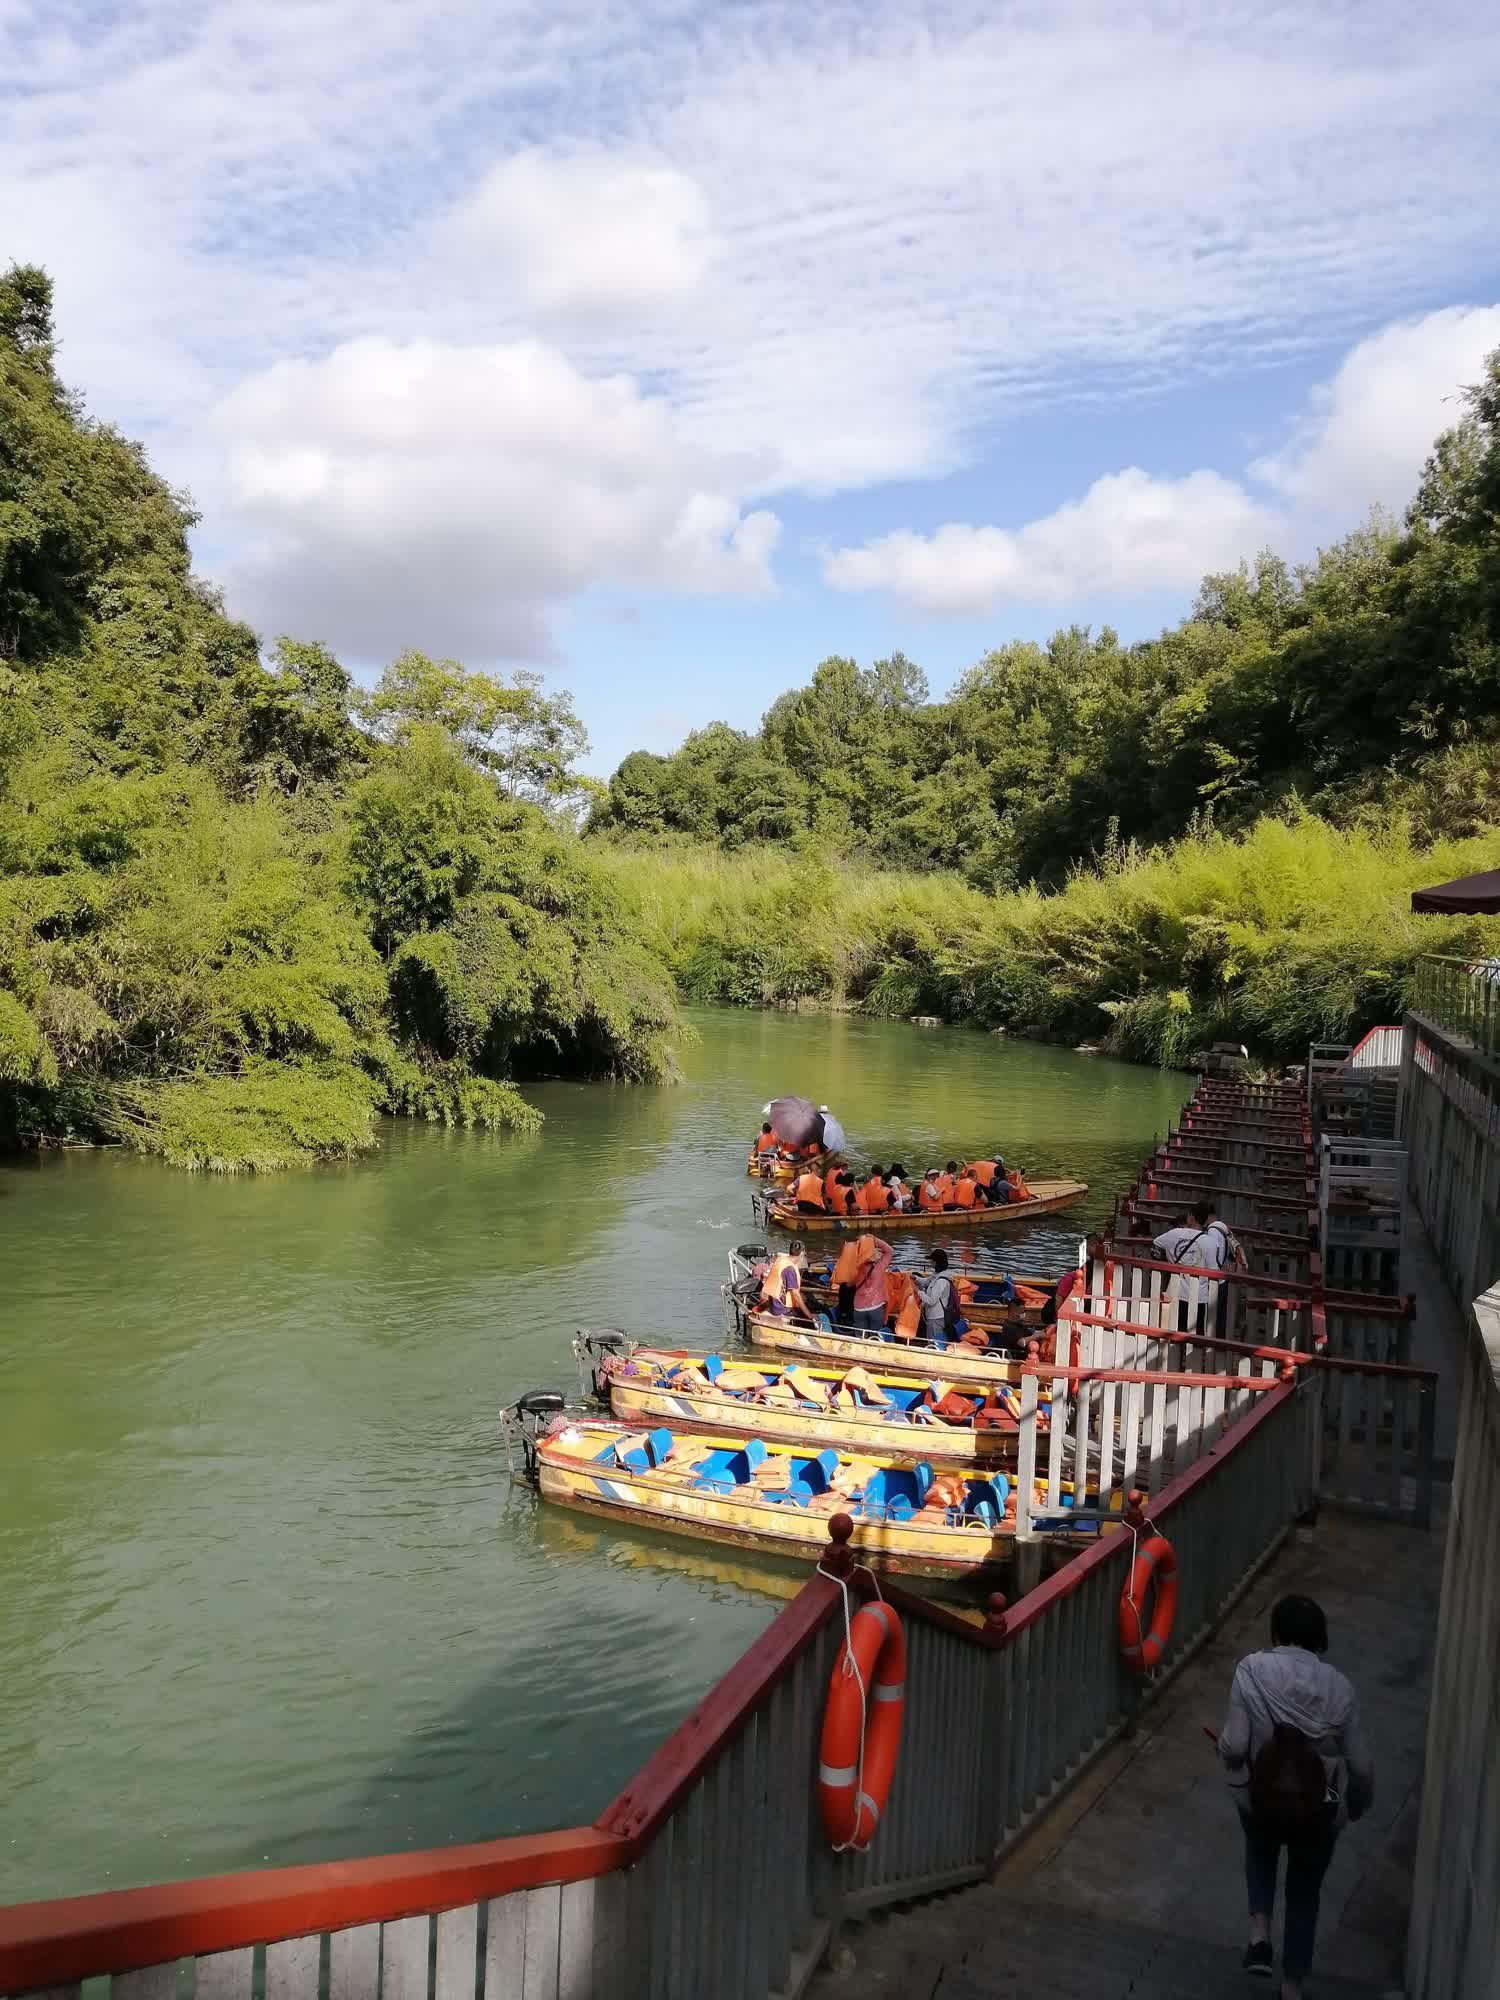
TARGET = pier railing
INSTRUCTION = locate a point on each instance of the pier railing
(1462, 995)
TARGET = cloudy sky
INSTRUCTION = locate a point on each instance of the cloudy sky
(671, 346)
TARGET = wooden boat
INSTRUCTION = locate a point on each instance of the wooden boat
(687, 1391)
(965, 1367)
(1046, 1196)
(988, 1305)
(777, 1497)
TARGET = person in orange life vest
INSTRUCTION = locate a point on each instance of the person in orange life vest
(781, 1287)
(872, 1293)
(874, 1198)
(766, 1141)
(838, 1189)
(965, 1192)
(808, 1194)
(948, 1181)
(990, 1175)
(895, 1185)
(851, 1265)
(930, 1197)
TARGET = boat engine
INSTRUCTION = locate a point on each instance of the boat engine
(524, 1422)
(590, 1351)
(748, 1264)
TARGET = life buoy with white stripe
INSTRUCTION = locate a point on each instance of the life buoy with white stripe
(1155, 1561)
(862, 1727)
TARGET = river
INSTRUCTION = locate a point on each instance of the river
(267, 1594)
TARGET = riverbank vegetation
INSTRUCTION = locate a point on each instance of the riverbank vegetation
(244, 908)
(1210, 834)
(1293, 931)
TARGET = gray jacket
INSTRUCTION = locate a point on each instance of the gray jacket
(1288, 1684)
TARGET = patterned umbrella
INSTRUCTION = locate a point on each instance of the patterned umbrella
(794, 1120)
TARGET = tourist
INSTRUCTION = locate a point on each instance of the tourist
(1298, 1770)
(874, 1198)
(900, 1193)
(872, 1293)
(781, 1287)
(839, 1189)
(766, 1142)
(1201, 1243)
(850, 1267)
(939, 1295)
(930, 1195)
(807, 1193)
(948, 1181)
(965, 1191)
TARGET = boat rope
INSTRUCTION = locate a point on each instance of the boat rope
(851, 1665)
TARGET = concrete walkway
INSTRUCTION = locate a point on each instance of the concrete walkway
(1133, 1884)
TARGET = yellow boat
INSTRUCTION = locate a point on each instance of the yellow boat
(687, 1391)
(908, 1520)
(965, 1367)
(1045, 1197)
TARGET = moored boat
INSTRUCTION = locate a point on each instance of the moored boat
(777, 1167)
(851, 1409)
(845, 1346)
(1044, 1198)
(910, 1520)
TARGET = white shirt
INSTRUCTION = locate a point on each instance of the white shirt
(1210, 1249)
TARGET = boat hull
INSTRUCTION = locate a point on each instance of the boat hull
(978, 1312)
(635, 1401)
(893, 1548)
(1046, 1197)
(960, 1365)
(569, 1474)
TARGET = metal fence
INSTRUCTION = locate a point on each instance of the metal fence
(1462, 995)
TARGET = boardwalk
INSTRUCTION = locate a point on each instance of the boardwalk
(1132, 1885)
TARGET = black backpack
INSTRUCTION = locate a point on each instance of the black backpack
(1288, 1783)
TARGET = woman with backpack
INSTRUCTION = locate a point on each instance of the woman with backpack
(1299, 1770)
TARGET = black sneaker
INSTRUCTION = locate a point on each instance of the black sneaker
(1259, 1959)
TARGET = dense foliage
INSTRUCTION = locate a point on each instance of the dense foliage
(1292, 932)
(1373, 672)
(242, 908)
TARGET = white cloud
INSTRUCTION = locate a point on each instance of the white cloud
(844, 242)
(429, 494)
(1361, 441)
(1366, 434)
(589, 236)
(1129, 535)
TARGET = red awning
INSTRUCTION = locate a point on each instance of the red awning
(1469, 896)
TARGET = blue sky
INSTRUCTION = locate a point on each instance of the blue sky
(672, 347)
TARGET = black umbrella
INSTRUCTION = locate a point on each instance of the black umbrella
(1469, 896)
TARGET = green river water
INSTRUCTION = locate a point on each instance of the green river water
(266, 1594)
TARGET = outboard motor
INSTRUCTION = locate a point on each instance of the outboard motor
(747, 1266)
(525, 1421)
(590, 1351)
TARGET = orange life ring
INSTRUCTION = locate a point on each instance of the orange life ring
(862, 1727)
(1155, 1560)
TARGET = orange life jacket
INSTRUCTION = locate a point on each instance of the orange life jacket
(766, 1142)
(770, 1284)
(930, 1196)
(952, 1407)
(841, 1199)
(982, 1170)
(909, 1319)
(1018, 1188)
(964, 1192)
(944, 1185)
(809, 1188)
(874, 1198)
(963, 1289)
(854, 1259)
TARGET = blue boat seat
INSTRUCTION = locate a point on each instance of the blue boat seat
(895, 1492)
(807, 1477)
(722, 1470)
(644, 1453)
(984, 1500)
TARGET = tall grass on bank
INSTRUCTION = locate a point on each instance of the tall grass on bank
(1293, 932)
